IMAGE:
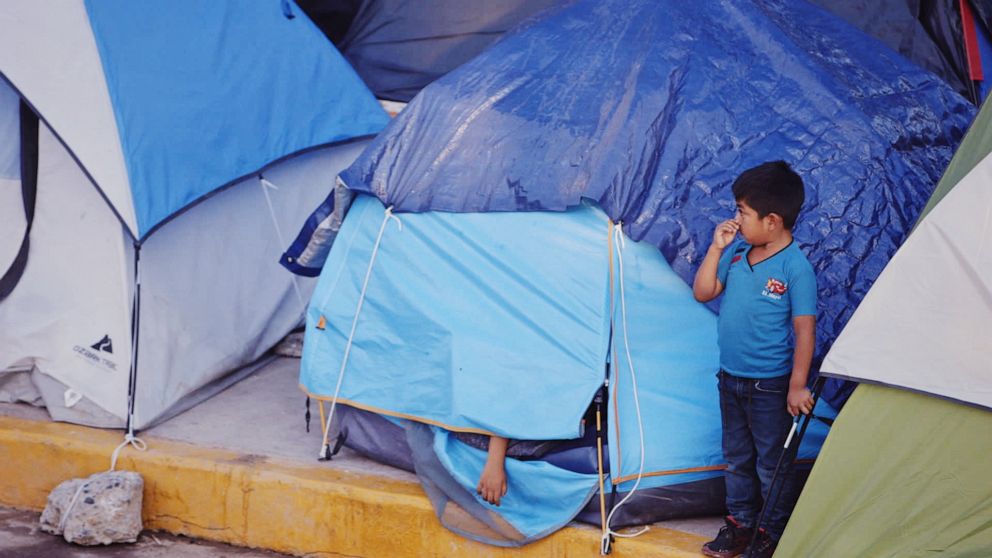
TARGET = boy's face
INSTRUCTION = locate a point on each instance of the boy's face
(755, 230)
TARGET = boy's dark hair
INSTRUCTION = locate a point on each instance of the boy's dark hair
(771, 187)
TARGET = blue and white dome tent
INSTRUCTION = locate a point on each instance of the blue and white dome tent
(548, 204)
(153, 152)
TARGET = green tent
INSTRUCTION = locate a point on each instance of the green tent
(905, 471)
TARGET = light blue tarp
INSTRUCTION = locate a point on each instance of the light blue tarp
(539, 500)
(672, 344)
(494, 322)
(527, 360)
(205, 93)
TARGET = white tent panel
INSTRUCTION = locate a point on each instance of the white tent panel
(924, 325)
(69, 315)
(213, 295)
(71, 94)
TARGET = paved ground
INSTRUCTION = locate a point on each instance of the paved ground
(264, 415)
(260, 415)
(20, 537)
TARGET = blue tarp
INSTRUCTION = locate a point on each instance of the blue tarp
(205, 93)
(652, 108)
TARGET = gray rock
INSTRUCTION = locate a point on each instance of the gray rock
(102, 509)
(58, 500)
(290, 346)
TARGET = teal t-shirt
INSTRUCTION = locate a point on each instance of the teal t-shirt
(759, 302)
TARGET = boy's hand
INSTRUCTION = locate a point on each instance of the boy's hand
(724, 233)
(492, 482)
(800, 400)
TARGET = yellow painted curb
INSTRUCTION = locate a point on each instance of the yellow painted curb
(262, 502)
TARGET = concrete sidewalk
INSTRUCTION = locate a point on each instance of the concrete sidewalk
(240, 468)
(20, 537)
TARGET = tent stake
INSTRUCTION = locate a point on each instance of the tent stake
(606, 547)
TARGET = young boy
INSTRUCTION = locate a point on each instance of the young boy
(769, 295)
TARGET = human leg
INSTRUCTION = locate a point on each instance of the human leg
(771, 423)
(743, 496)
(741, 481)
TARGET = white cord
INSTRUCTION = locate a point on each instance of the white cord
(354, 323)
(605, 542)
(65, 512)
(129, 439)
(266, 185)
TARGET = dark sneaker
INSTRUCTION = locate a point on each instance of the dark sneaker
(764, 546)
(732, 540)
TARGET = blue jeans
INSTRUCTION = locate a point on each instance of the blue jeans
(755, 425)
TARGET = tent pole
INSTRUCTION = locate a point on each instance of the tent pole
(132, 387)
(603, 394)
(770, 501)
(599, 457)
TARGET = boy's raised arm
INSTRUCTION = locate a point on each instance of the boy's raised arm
(706, 286)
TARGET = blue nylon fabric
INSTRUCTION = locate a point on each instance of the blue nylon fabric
(985, 51)
(207, 92)
(540, 498)
(398, 47)
(538, 326)
(290, 259)
(653, 107)
(816, 432)
(10, 133)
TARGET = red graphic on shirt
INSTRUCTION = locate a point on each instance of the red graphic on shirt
(774, 286)
(735, 259)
